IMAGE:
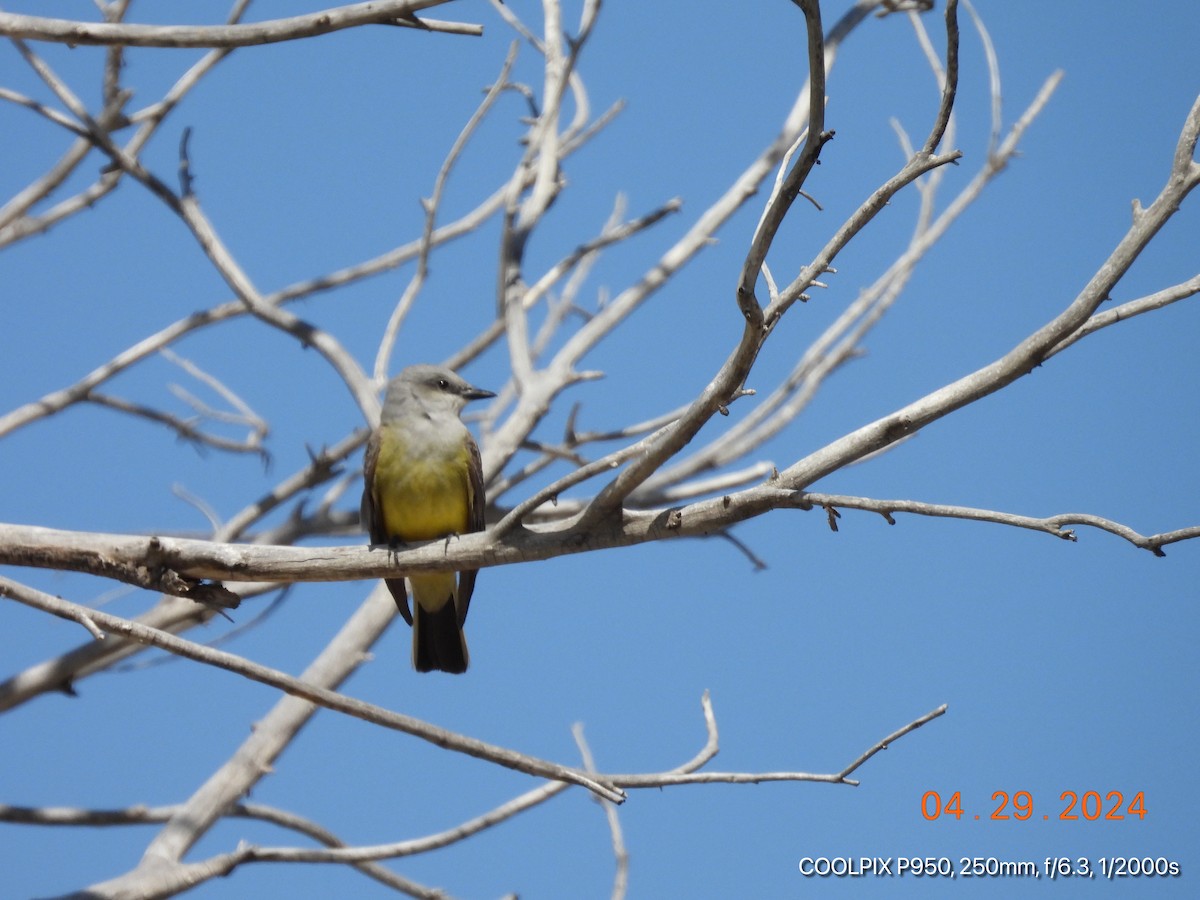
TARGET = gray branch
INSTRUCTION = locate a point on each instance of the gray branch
(379, 12)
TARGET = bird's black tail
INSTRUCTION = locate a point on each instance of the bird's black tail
(438, 640)
(396, 586)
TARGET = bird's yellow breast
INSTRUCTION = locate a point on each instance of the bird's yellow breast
(421, 496)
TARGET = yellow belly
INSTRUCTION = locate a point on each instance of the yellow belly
(421, 500)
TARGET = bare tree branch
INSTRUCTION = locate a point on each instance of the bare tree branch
(759, 323)
(378, 12)
(621, 856)
(1053, 525)
(144, 815)
(685, 774)
(172, 614)
(186, 564)
(432, 205)
(311, 691)
(1149, 303)
(1032, 351)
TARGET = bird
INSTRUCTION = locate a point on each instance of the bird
(423, 479)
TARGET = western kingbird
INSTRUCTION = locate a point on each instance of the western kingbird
(424, 480)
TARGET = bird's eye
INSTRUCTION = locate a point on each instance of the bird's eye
(443, 384)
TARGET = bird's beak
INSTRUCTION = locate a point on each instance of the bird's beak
(474, 393)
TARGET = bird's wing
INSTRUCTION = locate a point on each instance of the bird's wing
(476, 507)
(373, 522)
(370, 522)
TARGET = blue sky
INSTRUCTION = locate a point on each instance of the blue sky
(1066, 666)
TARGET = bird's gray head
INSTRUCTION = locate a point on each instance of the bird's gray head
(432, 388)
